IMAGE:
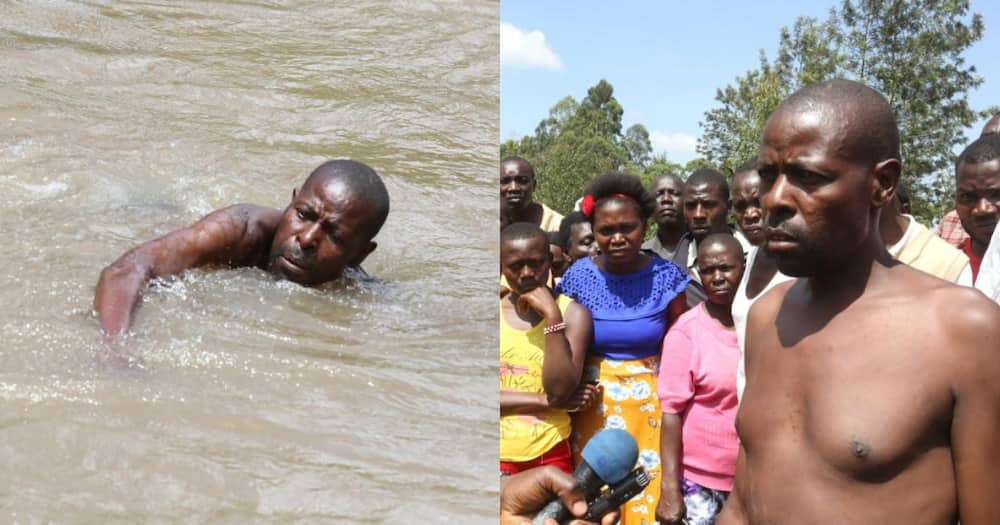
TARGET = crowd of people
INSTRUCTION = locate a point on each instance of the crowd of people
(823, 358)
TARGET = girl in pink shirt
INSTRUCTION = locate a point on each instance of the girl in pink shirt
(697, 390)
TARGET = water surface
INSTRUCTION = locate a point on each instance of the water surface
(251, 399)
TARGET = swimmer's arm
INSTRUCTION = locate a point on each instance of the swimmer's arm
(565, 353)
(733, 513)
(228, 236)
(975, 426)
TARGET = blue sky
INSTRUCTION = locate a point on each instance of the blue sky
(665, 59)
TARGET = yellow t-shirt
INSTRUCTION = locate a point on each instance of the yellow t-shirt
(524, 437)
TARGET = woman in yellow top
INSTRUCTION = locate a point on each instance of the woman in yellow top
(543, 344)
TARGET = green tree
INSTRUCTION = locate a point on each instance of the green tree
(911, 51)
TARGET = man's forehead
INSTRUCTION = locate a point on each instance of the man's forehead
(515, 167)
(704, 190)
(668, 182)
(525, 246)
(789, 127)
(980, 173)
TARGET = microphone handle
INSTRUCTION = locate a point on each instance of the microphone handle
(587, 480)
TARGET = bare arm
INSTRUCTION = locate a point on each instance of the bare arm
(231, 236)
(565, 356)
(521, 403)
(975, 427)
(732, 513)
(671, 509)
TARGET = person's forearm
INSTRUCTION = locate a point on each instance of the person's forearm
(670, 452)
(560, 376)
(118, 293)
(521, 403)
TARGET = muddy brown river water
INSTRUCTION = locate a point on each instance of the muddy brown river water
(250, 400)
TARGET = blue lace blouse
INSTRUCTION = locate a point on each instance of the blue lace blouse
(629, 310)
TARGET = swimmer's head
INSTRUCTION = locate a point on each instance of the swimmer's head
(330, 223)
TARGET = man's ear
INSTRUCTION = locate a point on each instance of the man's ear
(885, 181)
(363, 253)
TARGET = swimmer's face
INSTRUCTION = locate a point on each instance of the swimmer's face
(321, 232)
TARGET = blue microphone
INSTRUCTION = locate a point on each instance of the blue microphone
(607, 459)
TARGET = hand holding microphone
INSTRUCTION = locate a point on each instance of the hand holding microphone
(521, 495)
(608, 459)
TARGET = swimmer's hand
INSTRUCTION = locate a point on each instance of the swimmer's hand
(523, 495)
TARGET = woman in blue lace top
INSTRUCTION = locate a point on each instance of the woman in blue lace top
(633, 298)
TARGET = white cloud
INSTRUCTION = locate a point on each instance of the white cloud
(526, 50)
(680, 147)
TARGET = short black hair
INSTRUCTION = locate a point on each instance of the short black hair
(522, 160)
(748, 165)
(724, 239)
(875, 135)
(605, 186)
(363, 181)
(983, 149)
(902, 193)
(554, 238)
(566, 226)
(710, 177)
(521, 230)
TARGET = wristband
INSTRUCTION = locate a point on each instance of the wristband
(558, 327)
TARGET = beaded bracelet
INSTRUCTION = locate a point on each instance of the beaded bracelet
(558, 327)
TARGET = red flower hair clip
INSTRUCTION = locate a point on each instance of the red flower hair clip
(587, 206)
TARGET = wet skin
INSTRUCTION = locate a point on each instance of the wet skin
(852, 412)
(977, 200)
(318, 235)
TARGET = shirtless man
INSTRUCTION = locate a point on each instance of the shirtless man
(328, 227)
(872, 396)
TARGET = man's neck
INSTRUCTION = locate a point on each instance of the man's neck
(857, 272)
(669, 235)
(531, 212)
(978, 248)
(892, 229)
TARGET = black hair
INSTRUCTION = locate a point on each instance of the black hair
(710, 177)
(363, 181)
(725, 239)
(749, 165)
(565, 227)
(983, 149)
(521, 160)
(554, 238)
(874, 135)
(902, 193)
(522, 230)
(604, 186)
(665, 175)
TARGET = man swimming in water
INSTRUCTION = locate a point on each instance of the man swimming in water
(328, 227)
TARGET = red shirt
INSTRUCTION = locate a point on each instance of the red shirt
(974, 260)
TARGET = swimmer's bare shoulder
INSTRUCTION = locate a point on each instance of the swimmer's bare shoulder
(238, 235)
